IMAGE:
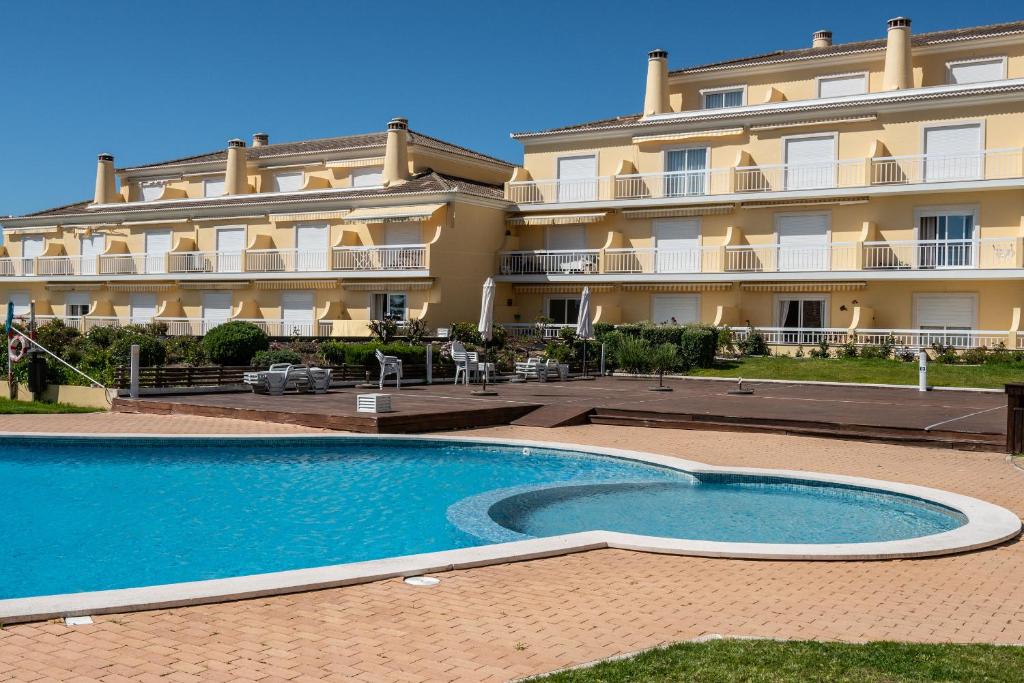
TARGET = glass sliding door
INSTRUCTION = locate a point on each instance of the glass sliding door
(946, 241)
(802, 319)
(686, 172)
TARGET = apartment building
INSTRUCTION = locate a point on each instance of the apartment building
(858, 188)
(315, 237)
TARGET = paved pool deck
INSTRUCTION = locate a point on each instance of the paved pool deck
(501, 622)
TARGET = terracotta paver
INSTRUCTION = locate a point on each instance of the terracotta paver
(497, 623)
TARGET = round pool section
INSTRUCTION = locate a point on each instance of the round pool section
(99, 524)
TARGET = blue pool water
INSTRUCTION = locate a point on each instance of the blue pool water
(82, 515)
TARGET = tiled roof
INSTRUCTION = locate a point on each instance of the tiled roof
(346, 142)
(423, 183)
(917, 40)
(921, 39)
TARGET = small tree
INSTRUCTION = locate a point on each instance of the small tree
(234, 343)
(383, 330)
(661, 359)
(633, 354)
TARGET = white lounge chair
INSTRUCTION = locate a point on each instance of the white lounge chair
(537, 368)
(272, 381)
(466, 362)
(389, 365)
(319, 380)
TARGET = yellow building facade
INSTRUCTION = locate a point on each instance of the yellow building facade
(312, 238)
(839, 190)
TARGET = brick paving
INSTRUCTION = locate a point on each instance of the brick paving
(500, 622)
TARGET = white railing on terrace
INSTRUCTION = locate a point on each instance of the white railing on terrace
(399, 257)
(994, 164)
(551, 262)
(791, 258)
(902, 338)
(533, 330)
(990, 252)
(404, 257)
(688, 260)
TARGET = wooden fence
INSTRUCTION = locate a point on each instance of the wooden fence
(160, 377)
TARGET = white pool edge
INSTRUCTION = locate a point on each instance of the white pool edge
(987, 525)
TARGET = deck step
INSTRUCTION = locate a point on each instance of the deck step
(554, 415)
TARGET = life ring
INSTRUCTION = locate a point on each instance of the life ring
(16, 349)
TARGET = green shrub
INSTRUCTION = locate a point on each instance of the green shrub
(601, 330)
(364, 353)
(945, 354)
(151, 351)
(873, 351)
(726, 340)
(632, 353)
(185, 351)
(383, 330)
(264, 359)
(697, 346)
(416, 330)
(977, 356)
(234, 343)
(333, 352)
(822, 351)
(102, 336)
(466, 333)
(848, 349)
(664, 358)
(561, 353)
(754, 344)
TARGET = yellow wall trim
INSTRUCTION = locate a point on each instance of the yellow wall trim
(557, 219)
(802, 286)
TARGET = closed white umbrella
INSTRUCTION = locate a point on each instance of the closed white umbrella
(584, 326)
(485, 327)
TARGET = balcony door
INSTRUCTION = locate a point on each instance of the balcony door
(158, 244)
(311, 242)
(297, 314)
(677, 245)
(142, 308)
(216, 308)
(952, 153)
(577, 178)
(803, 242)
(947, 317)
(91, 248)
(810, 162)
(946, 241)
(230, 246)
(32, 247)
(675, 309)
(77, 304)
(801, 317)
(686, 172)
(568, 244)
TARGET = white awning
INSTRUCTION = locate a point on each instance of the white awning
(35, 230)
(308, 216)
(689, 135)
(392, 214)
(681, 212)
(558, 219)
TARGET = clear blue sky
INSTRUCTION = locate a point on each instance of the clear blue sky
(150, 81)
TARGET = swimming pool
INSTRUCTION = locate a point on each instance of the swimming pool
(101, 514)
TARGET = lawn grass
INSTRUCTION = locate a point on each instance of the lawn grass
(755, 661)
(865, 370)
(9, 407)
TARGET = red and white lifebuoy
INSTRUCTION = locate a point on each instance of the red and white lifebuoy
(16, 349)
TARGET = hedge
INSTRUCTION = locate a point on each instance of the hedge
(364, 353)
(697, 343)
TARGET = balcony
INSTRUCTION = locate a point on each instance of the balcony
(996, 164)
(916, 255)
(348, 259)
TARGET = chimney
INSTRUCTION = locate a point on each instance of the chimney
(260, 139)
(106, 191)
(898, 67)
(236, 179)
(396, 152)
(656, 97)
(821, 39)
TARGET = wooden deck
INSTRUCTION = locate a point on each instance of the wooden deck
(969, 420)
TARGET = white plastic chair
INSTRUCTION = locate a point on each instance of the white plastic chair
(389, 365)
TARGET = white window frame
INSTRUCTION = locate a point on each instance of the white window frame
(994, 58)
(863, 74)
(207, 181)
(700, 305)
(729, 88)
(947, 210)
(548, 299)
(825, 309)
(680, 148)
(917, 296)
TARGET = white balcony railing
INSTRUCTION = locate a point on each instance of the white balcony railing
(688, 260)
(199, 326)
(404, 257)
(791, 258)
(551, 262)
(533, 330)
(901, 338)
(995, 164)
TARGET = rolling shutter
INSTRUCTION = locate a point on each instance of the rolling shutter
(803, 242)
(977, 72)
(810, 162)
(288, 182)
(297, 313)
(158, 243)
(216, 306)
(944, 311)
(677, 309)
(311, 247)
(577, 179)
(567, 237)
(838, 86)
(677, 243)
(953, 152)
(143, 307)
(367, 177)
(230, 244)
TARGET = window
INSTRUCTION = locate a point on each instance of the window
(845, 84)
(213, 187)
(946, 239)
(390, 306)
(803, 241)
(726, 97)
(22, 303)
(564, 311)
(32, 247)
(367, 177)
(158, 244)
(677, 245)
(802, 317)
(810, 162)
(577, 178)
(311, 246)
(675, 309)
(151, 191)
(944, 311)
(142, 308)
(953, 153)
(288, 182)
(76, 304)
(297, 314)
(91, 247)
(976, 70)
(686, 172)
